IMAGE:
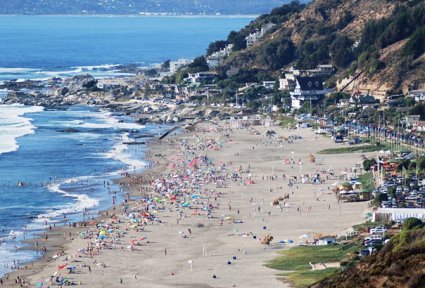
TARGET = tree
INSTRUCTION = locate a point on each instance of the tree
(403, 165)
(412, 223)
(421, 163)
(416, 44)
(368, 163)
(313, 52)
(237, 39)
(342, 54)
(216, 46)
(198, 64)
(418, 109)
(165, 66)
(151, 73)
(334, 98)
(277, 54)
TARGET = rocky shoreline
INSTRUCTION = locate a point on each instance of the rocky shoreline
(123, 95)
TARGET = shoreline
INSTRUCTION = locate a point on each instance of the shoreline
(259, 253)
(34, 231)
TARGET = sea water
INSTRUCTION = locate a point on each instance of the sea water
(39, 47)
(49, 172)
(54, 166)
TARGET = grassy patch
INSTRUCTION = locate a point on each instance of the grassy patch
(286, 121)
(307, 278)
(365, 226)
(295, 262)
(351, 149)
(368, 183)
(298, 258)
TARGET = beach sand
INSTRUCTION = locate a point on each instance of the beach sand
(167, 259)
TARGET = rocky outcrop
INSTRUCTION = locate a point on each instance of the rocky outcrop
(84, 82)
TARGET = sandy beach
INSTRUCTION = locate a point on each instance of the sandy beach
(210, 205)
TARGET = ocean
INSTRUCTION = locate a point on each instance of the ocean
(49, 172)
(39, 47)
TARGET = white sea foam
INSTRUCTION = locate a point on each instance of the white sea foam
(107, 121)
(120, 152)
(83, 201)
(13, 125)
(59, 73)
(96, 67)
(16, 70)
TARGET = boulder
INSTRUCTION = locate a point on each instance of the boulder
(62, 91)
(81, 82)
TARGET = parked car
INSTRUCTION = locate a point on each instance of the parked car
(373, 237)
(373, 243)
(378, 230)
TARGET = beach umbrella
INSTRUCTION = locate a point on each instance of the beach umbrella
(39, 284)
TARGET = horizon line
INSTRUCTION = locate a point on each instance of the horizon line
(140, 15)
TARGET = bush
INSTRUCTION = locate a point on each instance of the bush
(412, 223)
(342, 54)
(368, 163)
(416, 44)
(276, 54)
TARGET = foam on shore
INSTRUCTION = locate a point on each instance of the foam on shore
(13, 125)
(83, 202)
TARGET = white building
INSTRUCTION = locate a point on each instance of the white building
(418, 95)
(412, 120)
(200, 77)
(258, 34)
(215, 58)
(307, 89)
(175, 65)
(398, 214)
(326, 240)
(268, 84)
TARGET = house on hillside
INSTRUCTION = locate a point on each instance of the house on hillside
(200, 77)
(412, 120)
(307, 89)
(358, 99)
(324, 71)
(288, 81)
(217, 57)
(418, 95)
(175, 65)
(254, 37)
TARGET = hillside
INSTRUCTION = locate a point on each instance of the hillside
(137, 6)
(400, 264)
(381, 42)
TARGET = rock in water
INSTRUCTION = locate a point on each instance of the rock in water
(81, 82)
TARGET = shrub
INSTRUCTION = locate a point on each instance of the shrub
(412, 223)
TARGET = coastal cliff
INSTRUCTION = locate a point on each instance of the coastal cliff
(376, 46)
